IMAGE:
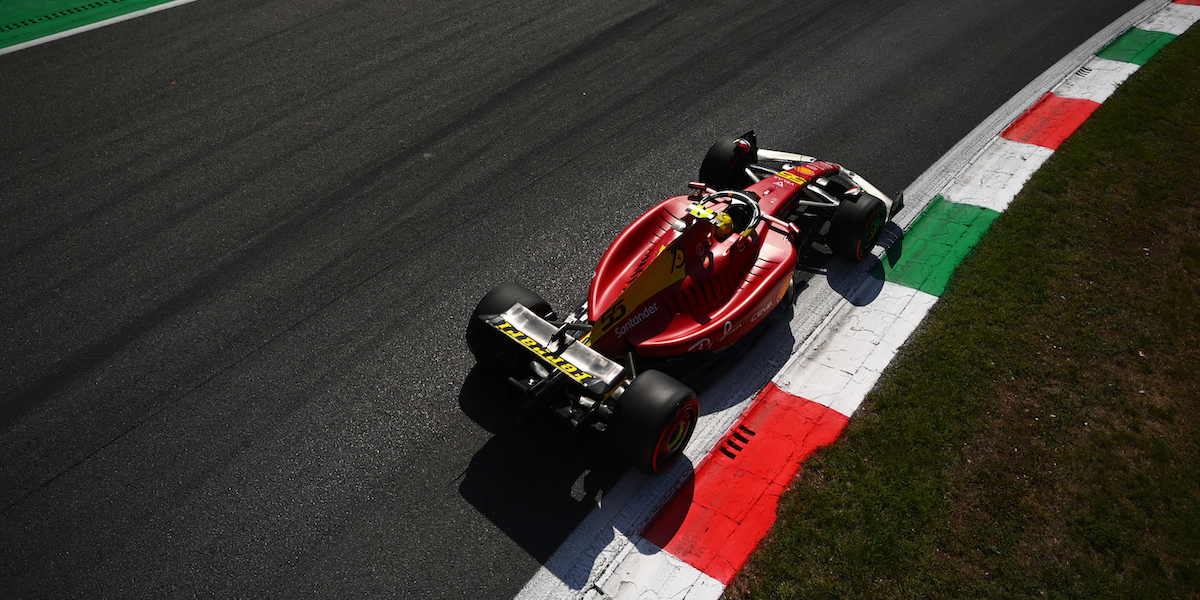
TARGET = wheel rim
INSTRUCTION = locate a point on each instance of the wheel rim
(870, 234)
(675, 436)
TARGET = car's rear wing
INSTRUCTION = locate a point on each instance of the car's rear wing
(557, 349)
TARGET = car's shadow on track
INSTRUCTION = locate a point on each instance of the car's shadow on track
(531, 479)
(862, 283)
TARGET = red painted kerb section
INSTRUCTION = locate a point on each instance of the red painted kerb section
(717, 517)
(1050, 121)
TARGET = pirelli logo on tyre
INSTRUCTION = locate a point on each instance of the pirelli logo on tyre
(583, 377)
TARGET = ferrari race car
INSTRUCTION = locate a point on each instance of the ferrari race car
(680, 286)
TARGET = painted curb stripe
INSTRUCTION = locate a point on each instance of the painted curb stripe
(24, 21)
(840, 364)
(1176, 18)
(997, 174)
(1096, 80)
(717, 517)
(936, 242)
(26, 26)
(648, 572)
(1050, 121)
(1136, 46)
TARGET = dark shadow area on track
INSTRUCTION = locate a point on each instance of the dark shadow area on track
(860, 284)
(532, 479)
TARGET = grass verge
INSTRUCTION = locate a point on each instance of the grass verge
(1038, 435)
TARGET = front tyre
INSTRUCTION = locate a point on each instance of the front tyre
(724, 166)
(654, 421)
(856, 227)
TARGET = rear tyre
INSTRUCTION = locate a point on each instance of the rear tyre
(724, 167)
(494, 351)
(856, 227)
(654, 421)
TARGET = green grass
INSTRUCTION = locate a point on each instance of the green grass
(1038, 436)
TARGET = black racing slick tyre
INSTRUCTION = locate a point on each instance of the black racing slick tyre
(654, 421)
(494, 351)
(724, 167)
(856, 227)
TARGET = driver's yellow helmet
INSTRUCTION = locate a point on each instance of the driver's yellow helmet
(724, 224)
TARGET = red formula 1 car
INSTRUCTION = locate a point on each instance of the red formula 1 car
(680, 287)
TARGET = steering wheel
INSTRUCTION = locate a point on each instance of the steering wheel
(734, 197)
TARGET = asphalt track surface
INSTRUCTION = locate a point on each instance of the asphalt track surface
(239, 242)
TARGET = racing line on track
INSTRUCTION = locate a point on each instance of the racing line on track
(708, 525)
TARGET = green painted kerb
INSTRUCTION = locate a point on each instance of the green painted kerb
(1136, 46)
(936, 242)
(26, 20)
